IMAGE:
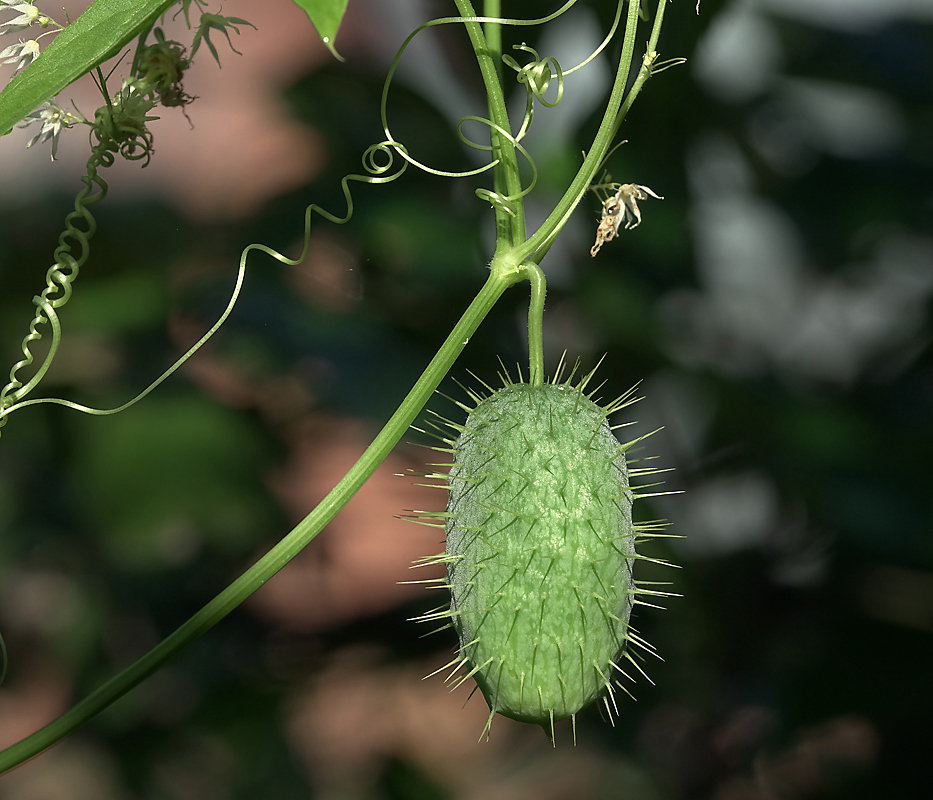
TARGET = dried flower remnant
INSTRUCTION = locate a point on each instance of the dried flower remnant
(621, 208)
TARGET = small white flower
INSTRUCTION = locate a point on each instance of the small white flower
(24, 52)
(28, 15)
(53, 118)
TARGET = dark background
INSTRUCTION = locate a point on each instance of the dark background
(775, 306)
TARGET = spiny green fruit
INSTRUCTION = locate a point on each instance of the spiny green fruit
(540, 550)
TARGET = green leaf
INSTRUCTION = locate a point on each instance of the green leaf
(325, 15)
(95, 36)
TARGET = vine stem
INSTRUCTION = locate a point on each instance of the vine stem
(537, 246)
(515, 260)
(510, 225)
(504, 273)
(646, 67)
(535, 323)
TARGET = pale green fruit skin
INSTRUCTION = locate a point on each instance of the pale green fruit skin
(540, 533)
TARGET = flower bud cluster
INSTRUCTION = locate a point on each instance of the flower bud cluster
(121, 125)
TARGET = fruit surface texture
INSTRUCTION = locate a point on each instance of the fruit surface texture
(540, 549)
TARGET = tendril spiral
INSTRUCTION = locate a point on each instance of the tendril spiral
(536, 77)
(496, 199)
(377, 174)
(70, 255)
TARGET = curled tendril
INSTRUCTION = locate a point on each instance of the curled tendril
(398, 56)
(496, 199)
(116, 131)
(120, 126)
(536, 77)
(378, 160)
(58, 280)
(377, 174)
(602, 46)
(537, 74)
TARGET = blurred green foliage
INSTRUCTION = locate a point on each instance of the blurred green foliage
(776, 304)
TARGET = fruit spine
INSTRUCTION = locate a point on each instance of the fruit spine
(540, 550)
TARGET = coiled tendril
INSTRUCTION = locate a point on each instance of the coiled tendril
(59, 278)
(118, 127)
(377, 174)
(536, 77)
(496, 199)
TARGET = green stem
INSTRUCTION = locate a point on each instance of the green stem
(493, 33)
(535, 322)
(515, 260)
(510, 225)
(503, 274)
(645, 71)
(537, 246)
